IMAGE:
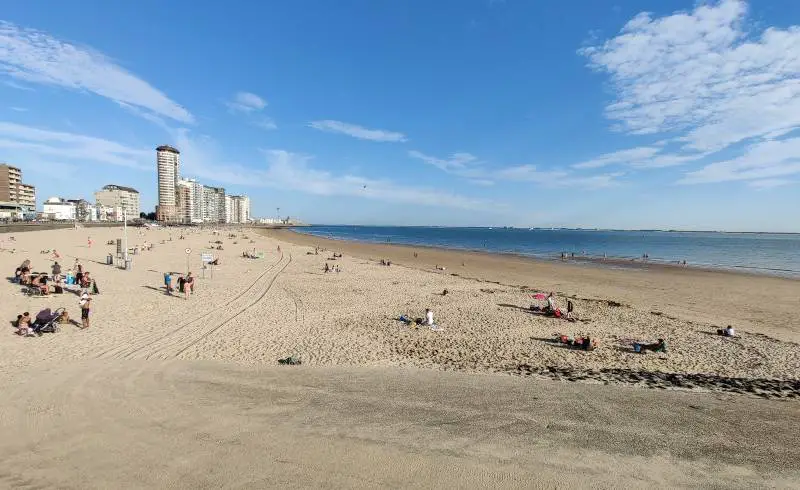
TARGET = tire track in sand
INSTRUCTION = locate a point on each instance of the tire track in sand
(174, 345)
(127, 351)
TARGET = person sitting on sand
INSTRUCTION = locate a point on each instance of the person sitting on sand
(56, 271)
(23, 324)
(327, 268)
(40, 282)
(727, 331)
(551, 303)
(429, 318)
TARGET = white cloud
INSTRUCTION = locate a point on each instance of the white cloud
(56, 145)
(356, 131)
(623, 156)
(293, 171)
(19, 109)
(702, 74)
(36, 57)
(13, 84)
(477, 172)
(706, 80)
(246, 102)
(266, 123)
(641, 157)
(455, 163)
(764, 160)
(770, 183)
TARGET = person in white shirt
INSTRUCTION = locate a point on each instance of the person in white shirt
(429, 318)
(729, 331)
(551, 302)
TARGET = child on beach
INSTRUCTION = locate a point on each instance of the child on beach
(85, 304)
(188, 285)
(24, 324)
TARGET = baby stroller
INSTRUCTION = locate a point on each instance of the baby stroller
(46, 321)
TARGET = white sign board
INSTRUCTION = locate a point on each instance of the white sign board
(206, 258)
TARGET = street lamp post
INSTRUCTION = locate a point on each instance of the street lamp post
(278, 217)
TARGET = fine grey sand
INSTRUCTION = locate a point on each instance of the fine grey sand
(187, 392)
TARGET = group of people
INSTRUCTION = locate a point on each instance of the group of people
(329, 268)
(426, 322)
(185, 284)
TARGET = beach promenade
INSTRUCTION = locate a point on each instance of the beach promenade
(190, 390)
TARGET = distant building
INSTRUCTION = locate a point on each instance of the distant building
(59, 209)
(84, 210)
(168, 169)
(185, 203)
(12, 190)
(237, 209)
(213, 204)
(118, 196)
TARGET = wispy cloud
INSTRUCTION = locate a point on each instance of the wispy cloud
(617, 157)
(702, 73)
(36, 57)
(265, 123)
(286, 170)
(479, 172)
(770, 183)
(357, 131)
(293, 171)
(706, 80)
(19, 109)
(641, 157)
(454, 163)
(53, 146)
(13, 84)
(764, 160)
(246, 102)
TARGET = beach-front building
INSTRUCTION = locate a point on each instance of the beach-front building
(168, 168)
(213, 204)
(237, 209)
(59, 209)
(119, 196)
(13, 190)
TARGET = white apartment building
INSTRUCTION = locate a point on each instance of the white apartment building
(237, 209)
(123, 197)
(168, 167)
(213, 204)
(59, 209)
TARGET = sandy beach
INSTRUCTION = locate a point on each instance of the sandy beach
(221, 346)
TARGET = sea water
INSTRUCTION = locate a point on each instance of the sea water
(776, 254)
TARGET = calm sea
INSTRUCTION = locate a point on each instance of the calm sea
(777, 254)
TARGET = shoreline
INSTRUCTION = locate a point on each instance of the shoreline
(635, 263)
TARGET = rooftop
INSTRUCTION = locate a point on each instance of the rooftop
(115, 187)
(167, 148)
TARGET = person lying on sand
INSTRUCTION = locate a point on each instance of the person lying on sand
(659, 346)
(584, 342)
(727, 331)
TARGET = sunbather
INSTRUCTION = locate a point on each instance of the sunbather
(659, 346)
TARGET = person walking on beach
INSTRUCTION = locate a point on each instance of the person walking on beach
(89, 242)
(188, 285)
(85, 304)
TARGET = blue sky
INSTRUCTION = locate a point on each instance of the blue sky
(626, 114)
